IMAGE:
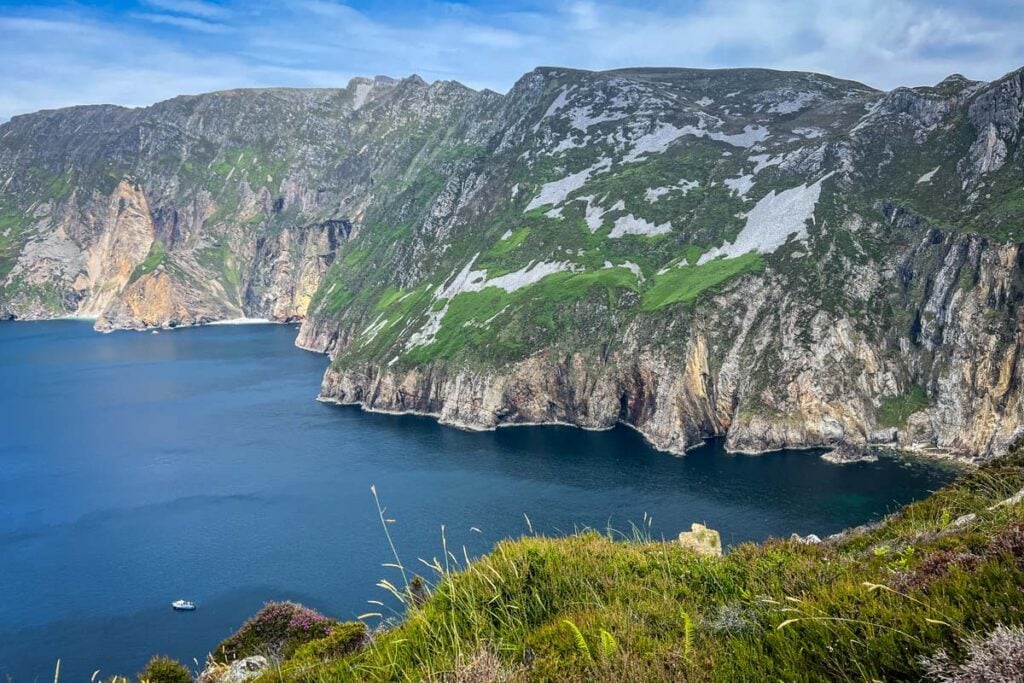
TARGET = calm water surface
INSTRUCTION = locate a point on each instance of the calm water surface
(138, 468)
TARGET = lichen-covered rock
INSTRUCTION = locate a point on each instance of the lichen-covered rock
(702, 540)
(238, 671)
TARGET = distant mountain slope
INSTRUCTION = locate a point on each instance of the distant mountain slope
(785, 259)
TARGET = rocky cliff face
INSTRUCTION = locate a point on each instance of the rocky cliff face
(827, 379)
(201, 208)
(783, 259)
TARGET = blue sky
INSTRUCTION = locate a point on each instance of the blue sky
(60, 53)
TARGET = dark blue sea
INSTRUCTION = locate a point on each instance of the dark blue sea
(138, 468)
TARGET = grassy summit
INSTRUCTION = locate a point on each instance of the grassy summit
(934, 589)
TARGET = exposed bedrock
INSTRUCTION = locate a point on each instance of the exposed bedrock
(769, 385)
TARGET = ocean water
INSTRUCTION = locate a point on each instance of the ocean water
(139, 468)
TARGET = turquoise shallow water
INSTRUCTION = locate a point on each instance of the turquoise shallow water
(139, 468)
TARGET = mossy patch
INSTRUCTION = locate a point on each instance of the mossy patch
(155, 257)
(894, 410)
(508, 244)
(684, 284)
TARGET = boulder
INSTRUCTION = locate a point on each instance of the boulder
(846, 453)
(238, 671)
(809, 539)
(702, 540)
(964, 520)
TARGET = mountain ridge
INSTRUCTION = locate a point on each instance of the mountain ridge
(781, 258)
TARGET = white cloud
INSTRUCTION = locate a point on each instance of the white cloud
(189, 23)
(70, 55)
(196, 8)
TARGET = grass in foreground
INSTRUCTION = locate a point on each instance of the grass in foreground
(922, 593)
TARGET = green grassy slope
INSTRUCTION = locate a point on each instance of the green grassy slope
(870, 605)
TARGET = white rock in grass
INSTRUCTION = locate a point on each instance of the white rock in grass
(809, 133)
(428, 333)
(631, 225)
(771, 222)
(927, 177)
(530, 274)
(582, 118)
(654, 142)
(246, 669)
(702, 540)
(593, 214)
(750, 136)
(684, 186)
(635, 269)
(795, 104)
(740, 185)
(763, 161)
(556, 191)
(630, 266)
(655, 193)
(568, 142)
(371, 331)
(1012, 500)
(559, 102)
(469, 280)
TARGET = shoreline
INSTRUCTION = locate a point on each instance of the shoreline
(932, 453)
(880, 449)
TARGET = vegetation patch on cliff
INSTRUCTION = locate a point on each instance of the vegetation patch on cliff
(525, 314)
(155, 257)
(11, 239)
(684, 284)
(895, 410)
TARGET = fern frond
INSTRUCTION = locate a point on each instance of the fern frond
(687, 635)
(608, 645)
(581, 642)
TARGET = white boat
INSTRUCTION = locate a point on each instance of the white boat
(183, 605)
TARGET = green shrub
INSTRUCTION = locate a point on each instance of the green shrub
(165, 670)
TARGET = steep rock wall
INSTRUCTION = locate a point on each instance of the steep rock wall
(963, 345)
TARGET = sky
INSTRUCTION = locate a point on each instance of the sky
(67, 52)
